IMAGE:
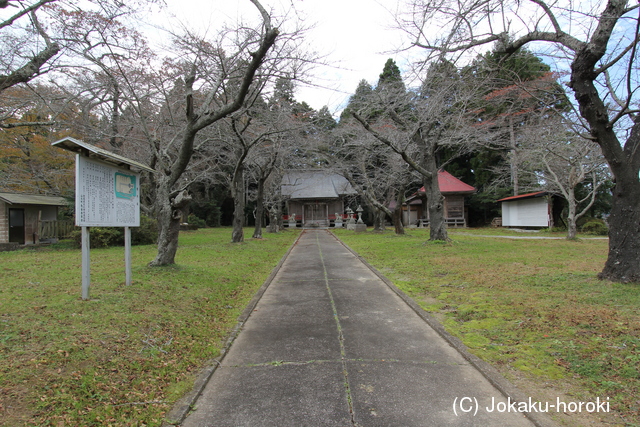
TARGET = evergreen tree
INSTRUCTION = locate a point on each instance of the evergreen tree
(390, 78)
(324, 120)
(283, 93)
(514, 91)
(358, 101)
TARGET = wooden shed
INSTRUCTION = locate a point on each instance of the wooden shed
(454, 192)
(22, 216)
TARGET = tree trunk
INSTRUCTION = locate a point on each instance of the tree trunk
(382, 217)
(513, 159)
(623, 263)
(397, 221)
(397, 214)
(378, 219)
(237, 190)
(257, 232)
(435, 203)
(273, 221)
(572, 228)
(571, 216)
(167, 242)
(428, 168)
(169, 215)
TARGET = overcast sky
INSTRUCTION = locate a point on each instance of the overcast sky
(355, 34)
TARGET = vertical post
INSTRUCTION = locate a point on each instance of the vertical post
(127, 255)
(86, 267)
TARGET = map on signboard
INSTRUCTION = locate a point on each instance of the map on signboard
(125, 186)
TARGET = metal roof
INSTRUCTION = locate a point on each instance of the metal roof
(32, 199)
(449, 184)
(89, 150)
(318, 184)
(525, 196)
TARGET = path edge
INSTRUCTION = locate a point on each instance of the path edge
(489, 372)
(184, 405)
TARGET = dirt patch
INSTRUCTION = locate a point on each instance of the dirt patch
(13, 410)
(438, 315)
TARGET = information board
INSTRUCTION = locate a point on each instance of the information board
(106, 196)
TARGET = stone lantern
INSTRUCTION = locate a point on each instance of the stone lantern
(360, 226)
(360, 210)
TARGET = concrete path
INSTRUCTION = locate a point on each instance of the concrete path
(330, 344)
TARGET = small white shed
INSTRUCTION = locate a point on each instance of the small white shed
(527, 210)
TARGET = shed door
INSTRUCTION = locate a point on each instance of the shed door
(16, 226)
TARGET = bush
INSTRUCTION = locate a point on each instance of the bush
(104, 237)
(214, 217)
(100, 237)
(209, 211)
(194, 220)
(597, 227)
(585, 219)
(147, 233)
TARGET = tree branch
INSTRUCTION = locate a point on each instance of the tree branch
(24, 12)
(23, 124)
(31, 69)
(411, 162)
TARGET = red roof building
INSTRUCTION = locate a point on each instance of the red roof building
(449, 184)
(453, 191)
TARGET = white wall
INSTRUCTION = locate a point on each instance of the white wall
(4, 223)
(526, 213)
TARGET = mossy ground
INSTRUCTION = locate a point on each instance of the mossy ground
(532, 308)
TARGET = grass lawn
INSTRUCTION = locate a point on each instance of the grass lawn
(533, 309)
(125, 356)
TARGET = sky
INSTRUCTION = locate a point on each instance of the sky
(355, 36)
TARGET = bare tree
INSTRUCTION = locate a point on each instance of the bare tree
(253, 145)
(378, 175)
(50, 40)
(32, 45)
(172, 101)
(170, 196)
(567, 161)
(418, 125)
(187, 115)
(25, 52)
(265, 162)
(598, 41)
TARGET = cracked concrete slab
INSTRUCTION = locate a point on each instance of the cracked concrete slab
(330, 343)
(274, 396)
(421, 394)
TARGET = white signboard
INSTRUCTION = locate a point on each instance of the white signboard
(106, 196)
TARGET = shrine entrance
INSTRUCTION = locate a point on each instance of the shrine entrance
(316, 215)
